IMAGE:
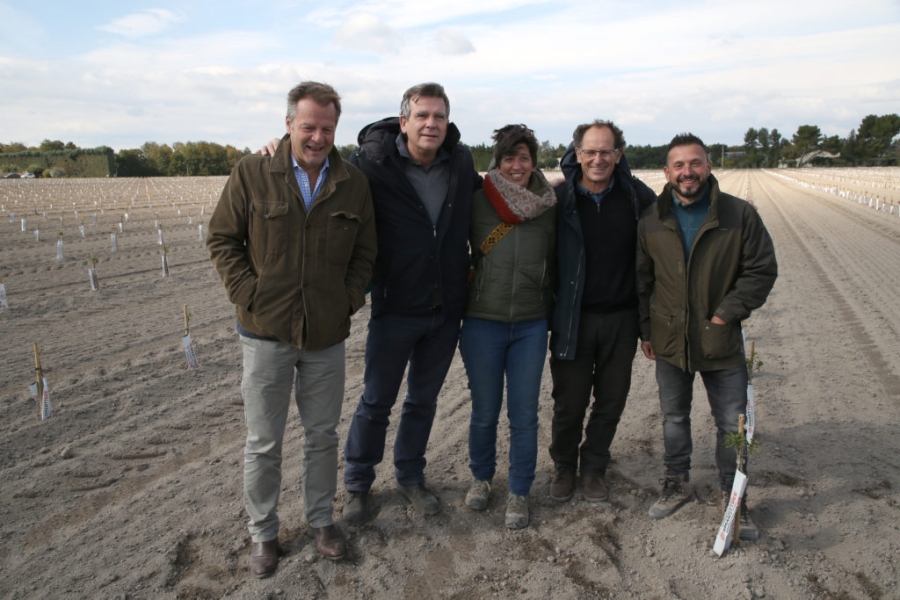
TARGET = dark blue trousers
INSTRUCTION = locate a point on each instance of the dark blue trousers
(427, 345)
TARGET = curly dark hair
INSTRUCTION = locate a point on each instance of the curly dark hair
(509, 136)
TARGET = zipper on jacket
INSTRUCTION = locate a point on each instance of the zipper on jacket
(514, 273)
(574, 299)
(704, 227)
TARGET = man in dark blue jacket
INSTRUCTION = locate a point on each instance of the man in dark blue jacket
(422, 182)
(594, 327)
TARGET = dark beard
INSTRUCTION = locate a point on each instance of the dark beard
(695, 195)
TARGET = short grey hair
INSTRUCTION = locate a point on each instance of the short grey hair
(427, 90)
(320, 93)
(618, 136)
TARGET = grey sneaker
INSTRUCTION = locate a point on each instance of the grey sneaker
(479, 492)
(516, 511)
(421, 498)
(675, 493)
(356, 507)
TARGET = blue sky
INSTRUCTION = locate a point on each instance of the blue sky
(124, 73)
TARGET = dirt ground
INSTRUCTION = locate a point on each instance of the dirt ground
(133, 488)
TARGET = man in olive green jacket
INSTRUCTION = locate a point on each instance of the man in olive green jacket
(704, 262)
(293, 239)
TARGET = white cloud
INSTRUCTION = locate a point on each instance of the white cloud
(366, 33)
(149, 21)
(454, 41)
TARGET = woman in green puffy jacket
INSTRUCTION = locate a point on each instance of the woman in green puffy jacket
(504, 331)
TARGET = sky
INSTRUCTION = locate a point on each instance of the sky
(124, 73)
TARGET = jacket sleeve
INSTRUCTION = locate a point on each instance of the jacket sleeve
(362, 260)
(227, 237)
(757, 273)
(645, 282)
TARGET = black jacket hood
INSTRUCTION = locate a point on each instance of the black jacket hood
(378, 137)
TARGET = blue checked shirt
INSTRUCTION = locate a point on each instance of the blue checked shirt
(303, 181)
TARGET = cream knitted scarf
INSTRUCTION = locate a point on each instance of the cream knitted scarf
(514, 203)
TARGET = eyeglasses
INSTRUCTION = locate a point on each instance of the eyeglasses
(604, 154)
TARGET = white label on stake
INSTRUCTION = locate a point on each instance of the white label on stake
(750, 423)
(59, 247)
(165, 267)
(159, 236)
(95, 283)
(3, 303)
(46, 411)
(732, 512)
(112, 241)
(189, 353)
(81, 230)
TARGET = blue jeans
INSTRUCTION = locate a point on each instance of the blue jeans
(427, 344)
(491, 349)
(726, 391)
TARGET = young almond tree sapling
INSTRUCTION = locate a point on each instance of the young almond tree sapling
(187, 343)
(40, 391)
(4, 305)
(165, 261)
(92, 274)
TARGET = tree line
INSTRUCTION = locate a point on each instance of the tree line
(874, 142)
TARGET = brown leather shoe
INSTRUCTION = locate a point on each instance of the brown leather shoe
(562, 488)
(264, 558)
(329, 542)
(594, 488)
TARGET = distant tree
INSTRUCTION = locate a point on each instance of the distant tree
(646, 157)
(52, 146)
(481, 156)
(159, 158)
(133, 163)
(13, 147)
(762, 138)
(36, 169)
(750, 140)
(807, 139)
(832, 144)
(776, 143)
(233, 155)
(347, 150)
(548, 156)
(875, 136)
